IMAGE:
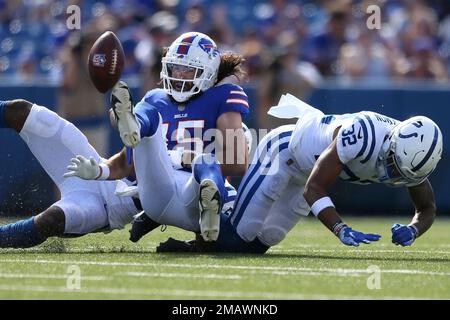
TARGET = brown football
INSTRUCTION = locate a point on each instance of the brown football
(106, 61)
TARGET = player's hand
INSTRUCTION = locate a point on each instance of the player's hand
(87, 169)
(403, 235)
(351, 237)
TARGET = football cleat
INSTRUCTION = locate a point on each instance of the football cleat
(210, 206)
(174, 245)
(196, 245)
(122, 106)
(141, 225)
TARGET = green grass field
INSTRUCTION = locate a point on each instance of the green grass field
(309, 264)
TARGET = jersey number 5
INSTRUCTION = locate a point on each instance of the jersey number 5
(183, 136)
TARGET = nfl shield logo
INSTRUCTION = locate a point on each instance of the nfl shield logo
(99, 60)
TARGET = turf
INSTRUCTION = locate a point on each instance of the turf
(309, 264)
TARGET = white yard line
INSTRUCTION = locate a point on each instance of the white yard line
(187, 294)
(49, 276)
(181, 275)
(338, 245)
(216, 266)
(357, 250)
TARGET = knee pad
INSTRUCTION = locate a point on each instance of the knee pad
(275, 185)
(272, 235)
(249, 230)
(43, 122)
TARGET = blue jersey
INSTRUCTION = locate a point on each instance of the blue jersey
(187, 125)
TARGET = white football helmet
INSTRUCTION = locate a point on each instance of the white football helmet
(411, 152)
(196, 51)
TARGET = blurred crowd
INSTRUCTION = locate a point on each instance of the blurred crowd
(289, 45)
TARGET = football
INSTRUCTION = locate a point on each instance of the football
(106, 61)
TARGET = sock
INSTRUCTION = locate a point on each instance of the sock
(205, 166)
(148, 117)
(21, 234)
(2, 114)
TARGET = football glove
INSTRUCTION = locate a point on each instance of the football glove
(403, 235)
(87, 169)
(351, 237)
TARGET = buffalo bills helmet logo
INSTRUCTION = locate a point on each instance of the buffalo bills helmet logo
(209, 47)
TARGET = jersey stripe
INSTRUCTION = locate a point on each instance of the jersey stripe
(372, 145)
(365, 137)
(238, 101)
(428, 155)
(183, 48)
(238, 92)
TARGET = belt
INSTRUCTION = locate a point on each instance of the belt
(137, 203)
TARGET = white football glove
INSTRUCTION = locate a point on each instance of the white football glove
(87, 169)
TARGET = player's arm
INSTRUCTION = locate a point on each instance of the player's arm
(232, 148)
(116, 167)
(323, 176)
(422, 196)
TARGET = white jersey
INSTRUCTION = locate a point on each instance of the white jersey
(359, 140)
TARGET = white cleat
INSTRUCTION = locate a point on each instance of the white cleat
(209, 204)
(122, 105)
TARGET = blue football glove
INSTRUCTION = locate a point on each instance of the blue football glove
(403, 235)
(351, 237)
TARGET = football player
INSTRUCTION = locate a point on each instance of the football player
(294, 166)
(85, 206)
(196, 109)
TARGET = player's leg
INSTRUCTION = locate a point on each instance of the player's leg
(159, 184)
(14, 113)
(33, 231)
(52, 139)
(264, 183)
(78, 213)
(207, 186)
(284, 215)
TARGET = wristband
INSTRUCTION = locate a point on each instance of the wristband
(104, 172)
(337, 227)
(321, 204)
(415, 230)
